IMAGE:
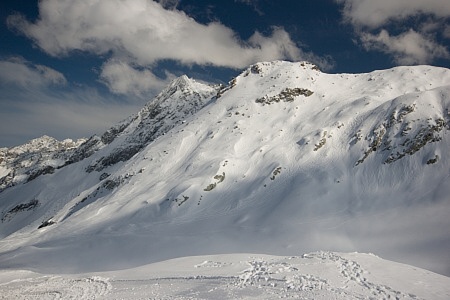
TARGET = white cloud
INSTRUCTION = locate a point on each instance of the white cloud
(446, 32)
(145, 32)
(372, 21)
(430, 27)
(121, 78)
(377, 13)
(169, 4)
(141, 32)
(33, 112)
(18, 71)
(407, 49)
(31, 106)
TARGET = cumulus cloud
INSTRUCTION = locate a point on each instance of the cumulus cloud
(121, 78)
(141, 33)
(407, 49)
(18, 71)
(60, 113)
(144, 31)
(31, 106)
(373, 21)
(377, 13)
(446, 32)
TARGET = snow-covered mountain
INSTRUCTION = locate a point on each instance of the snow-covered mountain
(284, 160)
(37, 157)
(183, 97)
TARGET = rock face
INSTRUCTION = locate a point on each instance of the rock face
(284, 157)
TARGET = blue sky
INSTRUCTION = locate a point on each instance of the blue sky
(71, 69)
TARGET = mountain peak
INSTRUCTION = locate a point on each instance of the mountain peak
(182, 81)
(287, 159)
(263, 68)
(181, 99)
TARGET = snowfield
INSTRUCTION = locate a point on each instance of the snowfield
(318, 275)
(284, 160)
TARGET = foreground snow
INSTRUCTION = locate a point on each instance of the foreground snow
(318, 275)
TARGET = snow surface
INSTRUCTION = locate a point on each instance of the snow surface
(318, 275)
(285, 160)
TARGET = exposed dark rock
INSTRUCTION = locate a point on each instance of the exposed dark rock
(425, 135)
(210, 187)
(20, 208)
(113, 132)
(322, 142)
(275, 172)
(85, 150)
(103, 176)
(46, 223)
(39, 172)
(433, 160)
(219, 178)
(286, 95)
(111, 184)
(377, 140)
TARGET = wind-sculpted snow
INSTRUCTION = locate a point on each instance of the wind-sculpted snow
(344, 162)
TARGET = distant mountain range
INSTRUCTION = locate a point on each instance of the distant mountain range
(284, 159)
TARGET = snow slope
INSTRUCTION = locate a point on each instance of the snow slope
(317, 275)
(284, 160)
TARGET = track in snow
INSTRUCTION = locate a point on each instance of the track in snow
(318, 275)
(53, 287)
(265, 278)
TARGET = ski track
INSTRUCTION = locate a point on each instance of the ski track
(354, 274)
(51, 287)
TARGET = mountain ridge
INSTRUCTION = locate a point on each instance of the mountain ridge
(84, 148)
(285, 157)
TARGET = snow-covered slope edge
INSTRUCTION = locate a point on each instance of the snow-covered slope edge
(317, 275)
(285, 160)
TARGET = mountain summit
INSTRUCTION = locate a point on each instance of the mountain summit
(183, 97)
(284, 159)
